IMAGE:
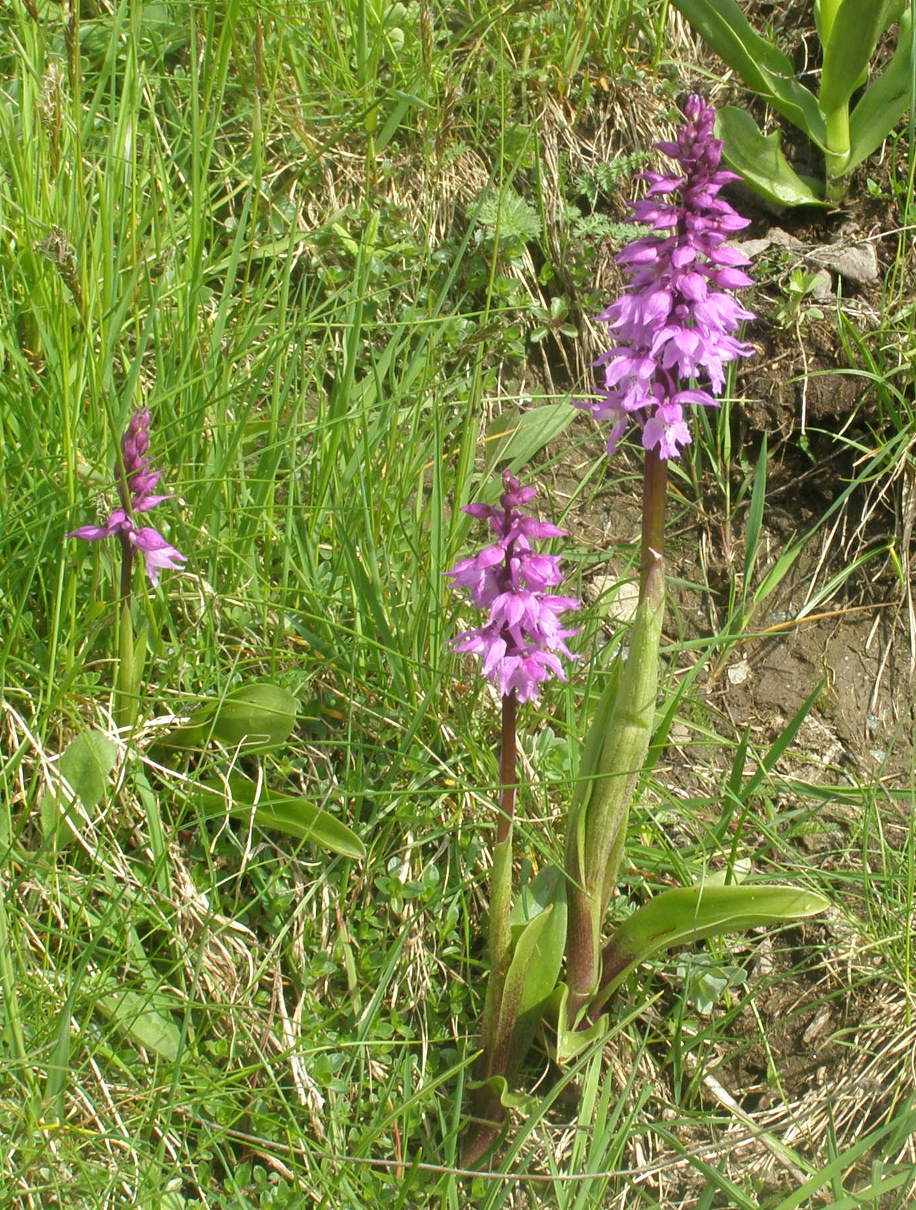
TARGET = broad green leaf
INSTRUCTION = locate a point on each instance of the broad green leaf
(824, 14)
(138, 1016)
(85, 767)
(517, 439)
(525, 991)
(759, 63)
(544, 968)
(850, 44)
(548, 887)
(737, 873)
(260, 715)
(281, 812)
(689, 914)
(885, 101)
(759, 159)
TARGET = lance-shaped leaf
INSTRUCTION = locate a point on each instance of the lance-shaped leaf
(760, 160)
(588, 767)
(144, 1017)
(517, 439)
(849, 46)
(885, 101)
(238, 796)
(688, 914)
(256, 716)
(523, 998)
(530, 980)
(623, 752)
(544, 898)
(759, 63)
(614, 759)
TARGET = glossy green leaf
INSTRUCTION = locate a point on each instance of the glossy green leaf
(260, 715)
(536, 956)
(623, 755)
(546, 889)
(851, 42)
(84, 768)
(759, 159)
(516, 439)
(735, 874)
(287, 813)
(760, 63)
(885, 100)
(545, 901)
(689, 914)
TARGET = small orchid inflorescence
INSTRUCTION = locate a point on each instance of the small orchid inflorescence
(676, 319)
(136, 483)
(521, 642)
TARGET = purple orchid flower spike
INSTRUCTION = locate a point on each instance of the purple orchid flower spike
(522, 640)
(135, 488)
(677, 318)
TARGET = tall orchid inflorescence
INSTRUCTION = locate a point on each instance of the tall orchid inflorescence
(677, 318)
(136, 483)
(521, 642)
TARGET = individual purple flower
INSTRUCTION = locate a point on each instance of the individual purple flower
(136, 482)
(521, 642)
(676, 318)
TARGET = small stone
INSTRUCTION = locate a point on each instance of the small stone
(858, 263)
(619, 598)
(738, 673)
(822, 287)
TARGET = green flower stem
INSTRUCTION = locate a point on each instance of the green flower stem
(836, 155)
(597, 829)
(499, 928)
(487, 1110)
(125, 695)
(501, 884)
